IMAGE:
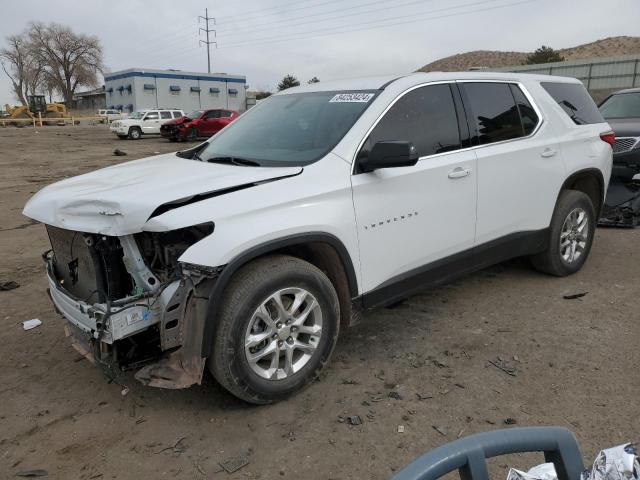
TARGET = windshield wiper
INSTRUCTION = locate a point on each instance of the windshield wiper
(245, 162)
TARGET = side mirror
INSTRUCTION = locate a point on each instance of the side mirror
(389, 154)
(636, 179)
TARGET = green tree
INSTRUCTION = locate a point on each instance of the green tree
(543, 55)
(261, 95)
(287, 82)
(313, 80)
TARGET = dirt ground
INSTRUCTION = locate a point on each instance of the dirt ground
(576, 363)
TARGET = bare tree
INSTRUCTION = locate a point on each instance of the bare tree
(15, 62)
(68, 59)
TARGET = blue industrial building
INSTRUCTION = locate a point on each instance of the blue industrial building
(137, 88)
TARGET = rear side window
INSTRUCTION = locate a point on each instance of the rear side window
(494, 112)
(165, 115)
(177, 114)
(426, 117)
(213, 114)
(575, 101)
(528, 115)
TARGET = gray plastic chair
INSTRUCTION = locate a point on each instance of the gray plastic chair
(468, 455)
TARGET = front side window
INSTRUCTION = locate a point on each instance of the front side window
(290, 129)
(165, 115)
(425, 117)
(136, 115)
(621, 105)
(151, 116)
(494, 112)
(575, 101)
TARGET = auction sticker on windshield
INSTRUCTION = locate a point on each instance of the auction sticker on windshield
(358, 97)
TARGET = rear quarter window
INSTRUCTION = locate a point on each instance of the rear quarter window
(575, 101)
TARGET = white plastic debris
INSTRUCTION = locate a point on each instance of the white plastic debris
(617, 463)
(33, 323)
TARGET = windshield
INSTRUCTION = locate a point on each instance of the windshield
(136, 115)
(193, 115)
(290, 129)
(622, 105)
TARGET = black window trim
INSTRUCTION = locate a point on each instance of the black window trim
(470, 121)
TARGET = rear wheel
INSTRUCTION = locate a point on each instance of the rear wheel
(570, 235)
(135, 133)
(277, 327)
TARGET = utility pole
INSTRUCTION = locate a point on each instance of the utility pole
(207, 30)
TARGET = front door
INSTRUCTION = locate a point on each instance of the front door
(416, 222)
(151, 122)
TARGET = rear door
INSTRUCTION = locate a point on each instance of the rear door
(520, 169)
(412, 221)
(165, 116)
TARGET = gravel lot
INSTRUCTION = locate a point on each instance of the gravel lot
(575, 361)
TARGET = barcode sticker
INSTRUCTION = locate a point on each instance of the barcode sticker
(359, 97)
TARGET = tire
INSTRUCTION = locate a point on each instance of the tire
(173, 139)
(122, 137)
(572, 209)
(192, 134)
(255, 286)
(135, 133)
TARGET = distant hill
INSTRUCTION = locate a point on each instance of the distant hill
(608, 47)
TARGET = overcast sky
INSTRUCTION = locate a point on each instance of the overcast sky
(266, 39)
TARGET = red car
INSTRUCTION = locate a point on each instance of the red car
(199, 123)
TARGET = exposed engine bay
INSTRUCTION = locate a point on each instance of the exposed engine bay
(127, 298)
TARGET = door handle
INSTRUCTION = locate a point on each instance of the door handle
(548, 153)
(459, 172)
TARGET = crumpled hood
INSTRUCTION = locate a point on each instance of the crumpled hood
(119, 200)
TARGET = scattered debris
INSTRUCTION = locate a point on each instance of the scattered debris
(10, 285)
(460, 433)
(395, 395)
(422, 396)
(354, 420)
(32, 473)
(233, 464)
(124, 391)
(510, 421)
(176, 447)
(400, 428)
(33, 323)
(460, 385)
(505, 366)
(440, 430)
(440, 364)
(119, 153)
(574, 296)
(350, 382)
(140, 420)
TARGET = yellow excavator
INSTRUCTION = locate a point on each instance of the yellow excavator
(51, 113)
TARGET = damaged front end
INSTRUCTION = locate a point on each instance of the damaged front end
(130, 303)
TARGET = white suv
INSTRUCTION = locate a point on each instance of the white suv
(248, 252)
(108, 116)
(143, 122)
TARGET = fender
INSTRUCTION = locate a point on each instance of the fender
(587, 172)
(271, 246)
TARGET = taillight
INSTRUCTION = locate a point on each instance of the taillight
(608, 137)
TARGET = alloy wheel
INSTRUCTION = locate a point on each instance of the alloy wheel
(574, 235)
(283, 333)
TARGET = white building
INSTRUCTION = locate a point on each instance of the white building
(137, 88)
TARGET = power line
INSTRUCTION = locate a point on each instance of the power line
(332, 30)
(265, 12)
(208, 43)
(341, 10)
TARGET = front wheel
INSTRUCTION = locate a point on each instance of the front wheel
(192, 134)
(135, 133)
(277, 326)
(570, 235)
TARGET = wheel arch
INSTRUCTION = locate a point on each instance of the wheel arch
(590, 181)
(321, 249)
